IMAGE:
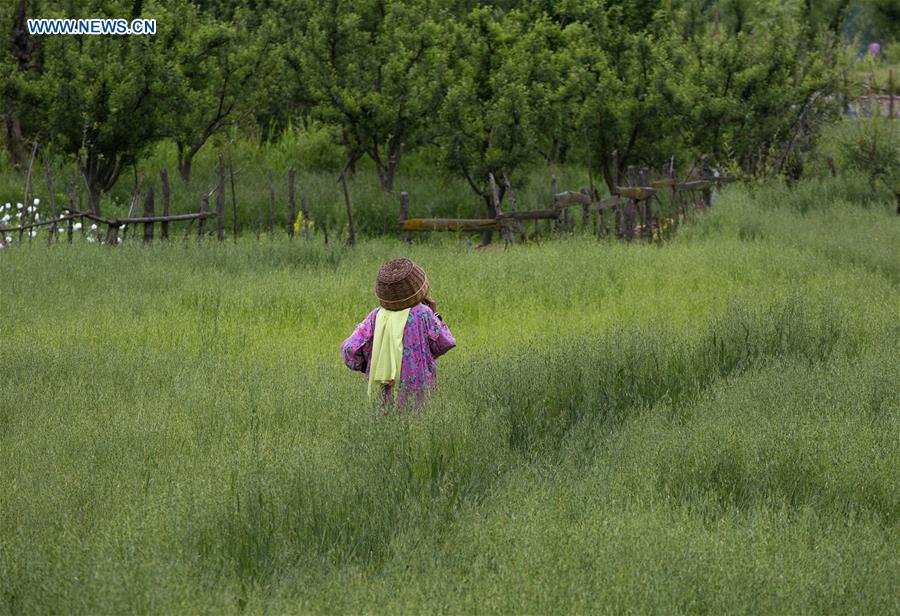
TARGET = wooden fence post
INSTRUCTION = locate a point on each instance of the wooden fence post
(220, 199)
(234, 229)
(617, 210)
(292, 204)
(644, 206)
(585, 212)
(705, 175)
(259, 220)
(673, 195)
(164, 183)
(49, 179)
(554, 190)
(70, 229)
(514, 207)
(201, 223)
(505, 232)
(404, 216)
(112, 234)
(26, 204)
(630, 207)
(148, 213)
(351, 238)
(271, 212)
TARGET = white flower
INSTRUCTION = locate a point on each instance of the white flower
(8, 238)
(93, 227)
(33, 233)
(18, 206)
(65, 212)
(8, 205)
(60, 229)
(37, 216)
(29, 209)
(18, 214)
(76, 226)
(5, 218)
(90, 239)
(37, 201)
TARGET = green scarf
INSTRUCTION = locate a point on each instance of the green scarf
(387, 346)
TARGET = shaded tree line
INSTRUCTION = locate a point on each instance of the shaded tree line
(492, 87)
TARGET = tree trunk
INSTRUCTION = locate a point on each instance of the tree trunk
(185, 158)
(15, 143)
(488, 236)
(387, 174)
(387, 171)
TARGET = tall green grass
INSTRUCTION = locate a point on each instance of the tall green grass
(706, 426)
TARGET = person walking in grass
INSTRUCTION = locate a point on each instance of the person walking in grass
(397, 344)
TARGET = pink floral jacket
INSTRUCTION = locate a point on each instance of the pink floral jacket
(425, 338)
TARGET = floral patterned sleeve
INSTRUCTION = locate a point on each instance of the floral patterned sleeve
(440, 340)
(357, 349)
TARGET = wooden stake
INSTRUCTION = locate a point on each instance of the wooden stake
(25, 205)
(234, 230)
(46, 164)
(148, 213)
(164, 183)
(351, 239)
(70, 229)
(513, 207)
(553, 192)
(404, 215)
(112, 234)
(292, 204)
(271, 212)
(505, 232)
(617, 210)
(201, 223)
(220, 199)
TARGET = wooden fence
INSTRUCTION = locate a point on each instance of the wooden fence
(111, 230)
(646, 204)
(650, 206)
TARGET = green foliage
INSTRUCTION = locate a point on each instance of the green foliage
(872, 147)
(84, 93)
(367, 67)
(220, 65)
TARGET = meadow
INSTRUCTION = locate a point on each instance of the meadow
(707, 425)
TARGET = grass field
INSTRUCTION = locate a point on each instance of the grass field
(707, 426)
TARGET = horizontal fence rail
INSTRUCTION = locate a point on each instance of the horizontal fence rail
(644, 208)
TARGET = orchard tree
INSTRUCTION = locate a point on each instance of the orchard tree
(219, 65)
(100, 99)
(18, 65)
(367, 67)
(486, 122)
(762, 84)
(634, 94)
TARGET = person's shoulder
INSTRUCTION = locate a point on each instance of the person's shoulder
(421, 310)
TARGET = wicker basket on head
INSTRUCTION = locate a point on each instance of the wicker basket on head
(400, 284)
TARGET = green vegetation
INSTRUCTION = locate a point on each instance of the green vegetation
(475, 87)
(706, 426)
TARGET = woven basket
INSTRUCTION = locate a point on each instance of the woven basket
(400, 284)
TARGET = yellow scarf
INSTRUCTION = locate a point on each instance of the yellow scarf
(387, 346)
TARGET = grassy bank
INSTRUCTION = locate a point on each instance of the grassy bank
(710, 425)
